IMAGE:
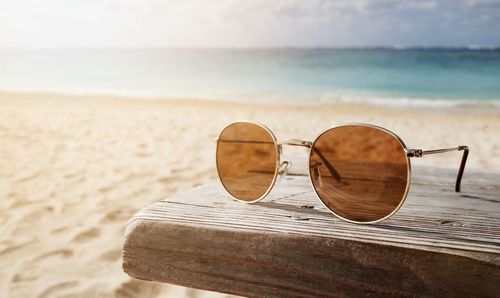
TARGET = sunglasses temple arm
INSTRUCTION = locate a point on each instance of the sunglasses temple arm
(465, 149)
(328, 165)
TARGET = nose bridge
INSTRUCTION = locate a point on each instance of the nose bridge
(286, 165)
(296, 142)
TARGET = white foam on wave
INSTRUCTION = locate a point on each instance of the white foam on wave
(277, 98)
(413, 101)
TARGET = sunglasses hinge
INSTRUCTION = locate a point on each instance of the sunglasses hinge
(414, 152)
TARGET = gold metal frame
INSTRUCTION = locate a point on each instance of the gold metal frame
(310, 145)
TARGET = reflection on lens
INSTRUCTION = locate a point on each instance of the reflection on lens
(359, 172)
(246, 160)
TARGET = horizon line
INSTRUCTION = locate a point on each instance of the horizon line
(375, 47)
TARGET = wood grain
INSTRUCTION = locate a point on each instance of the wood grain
(440, 243)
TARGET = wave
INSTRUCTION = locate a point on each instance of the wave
(402, 102)
(413, 101)
(129, 93)
(280, 98)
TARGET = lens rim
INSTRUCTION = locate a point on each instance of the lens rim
(276, 148)
(408, 168)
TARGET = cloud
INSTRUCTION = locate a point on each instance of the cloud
(482, 3)
(208, 23)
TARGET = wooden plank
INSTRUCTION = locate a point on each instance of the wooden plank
(440, 243)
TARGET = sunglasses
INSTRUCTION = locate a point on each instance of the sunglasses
(361, 172)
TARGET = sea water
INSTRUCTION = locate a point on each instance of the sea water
(423, 76)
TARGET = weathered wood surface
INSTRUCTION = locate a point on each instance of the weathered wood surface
(440, 243)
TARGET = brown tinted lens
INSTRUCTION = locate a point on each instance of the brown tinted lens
(359, 172)
(246, 160)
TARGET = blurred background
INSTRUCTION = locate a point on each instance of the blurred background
(107, 106)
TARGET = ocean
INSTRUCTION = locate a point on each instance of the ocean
(413, 76)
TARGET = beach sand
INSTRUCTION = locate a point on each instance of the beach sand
(74, 170)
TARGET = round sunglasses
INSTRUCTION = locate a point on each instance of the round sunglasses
(361, 172)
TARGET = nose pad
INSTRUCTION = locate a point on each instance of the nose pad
(283, 169)
(315, 173)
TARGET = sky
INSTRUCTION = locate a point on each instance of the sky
(247, 23)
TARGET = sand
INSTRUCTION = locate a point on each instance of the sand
(74, 169)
